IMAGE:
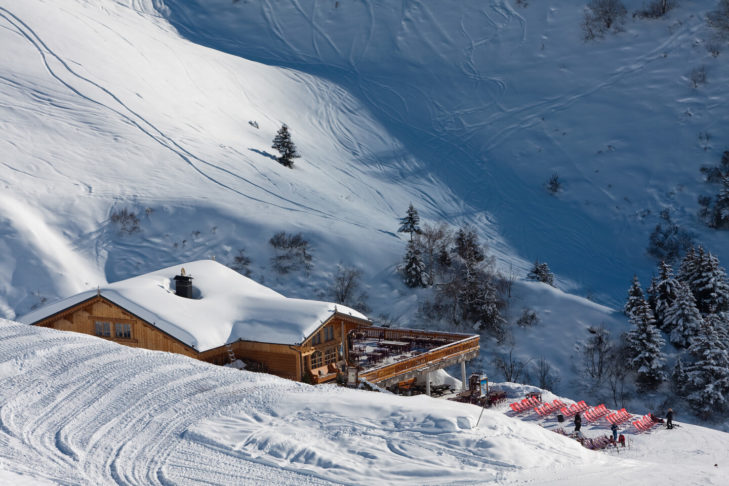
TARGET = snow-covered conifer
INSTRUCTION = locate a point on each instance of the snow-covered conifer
(413, 269)
(644, 343)
(410, 223)
(720, 210)
(285, 146)
(710, 285)
(682, 319)
(708, 376)
(662, 293)
(679, 377)
(688, 268)
(541, 273)
(635, 297)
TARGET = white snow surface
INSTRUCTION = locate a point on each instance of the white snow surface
(226, 306)
(75, 409)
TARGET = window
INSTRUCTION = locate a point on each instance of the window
(102, 329)
(328, 333)
(123, 331)
(330, 355)
(316, 339)
(316, 360)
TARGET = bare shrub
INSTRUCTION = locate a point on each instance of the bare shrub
(596, 353)
(292, 252)
(345, 288)
(511, 367)
(698, 76)
(128, 221)
(546, 376)
(241, 262)
(528, 318)
(656, 9)
(554, 185)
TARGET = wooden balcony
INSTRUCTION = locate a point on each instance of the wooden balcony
(443, 349)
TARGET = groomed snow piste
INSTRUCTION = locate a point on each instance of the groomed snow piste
(76, 409)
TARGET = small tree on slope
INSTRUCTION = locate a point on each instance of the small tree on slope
(541, 273)
(644, 343)
(282, 142)
(682, 319)
(410, 223)
(635, 297)
(662, 293)
(708, 376)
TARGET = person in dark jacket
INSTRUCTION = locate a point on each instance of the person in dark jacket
(578, 422)
(614, 428)
(669, 419)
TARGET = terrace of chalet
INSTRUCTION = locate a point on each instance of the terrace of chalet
(386, 357)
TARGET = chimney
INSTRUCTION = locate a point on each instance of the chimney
(183, 285)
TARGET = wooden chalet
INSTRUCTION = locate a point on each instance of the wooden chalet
(214, 314)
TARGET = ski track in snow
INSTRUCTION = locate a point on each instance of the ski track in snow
(143, 124)
(122, 419)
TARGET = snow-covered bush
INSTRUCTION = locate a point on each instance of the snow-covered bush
(668, 241)
(719, 19)
(541, 273)
(656, 9)
(603, 16)
(528, 318)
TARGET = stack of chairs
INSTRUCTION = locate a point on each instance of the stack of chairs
(619, 417)
(524, 405)
(580, 406)
(548, 408)
(644, 423)
(596, 412)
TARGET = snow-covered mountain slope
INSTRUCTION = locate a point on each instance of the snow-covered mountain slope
(75, 409)
(106, 108)
(463, 108)
(494, 98)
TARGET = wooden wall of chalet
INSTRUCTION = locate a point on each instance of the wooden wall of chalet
(278, 359)
(82, 318)
(340, 324)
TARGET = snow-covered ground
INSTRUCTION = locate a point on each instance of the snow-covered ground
(75, 409)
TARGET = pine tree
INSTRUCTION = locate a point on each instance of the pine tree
(644, 343)
(710, 285)
(708, 375)
(410, 223)
(282, 142)
(679, 378)
(688, 270)
(682, 319)
(471, 289)
(720, 213)
(662, 293)
(413, 269)
(635, 297)
(541, 273)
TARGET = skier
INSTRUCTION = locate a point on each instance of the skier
(614, 428)
(669, 419)
(578, 422)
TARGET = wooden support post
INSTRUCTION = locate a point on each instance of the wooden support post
(463, 375)
(427, 383)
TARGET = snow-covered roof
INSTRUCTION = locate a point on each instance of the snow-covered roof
(227, 306)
